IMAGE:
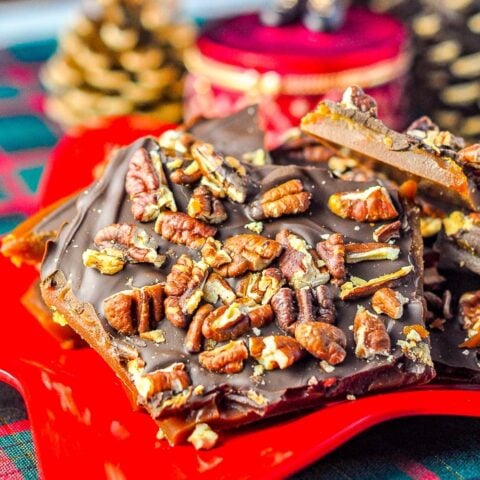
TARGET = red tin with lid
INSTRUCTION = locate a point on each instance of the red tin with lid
(239, 61)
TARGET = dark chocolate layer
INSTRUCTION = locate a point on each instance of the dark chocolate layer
(105, 202)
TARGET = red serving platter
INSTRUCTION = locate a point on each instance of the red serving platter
(82, 423)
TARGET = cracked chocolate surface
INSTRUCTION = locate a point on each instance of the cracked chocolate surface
(106, 202)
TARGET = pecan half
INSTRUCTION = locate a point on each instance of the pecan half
(283, 305)
(173, 378)
(226, 175)
(147, 186)
(275, 351)
(322, 340)
(285, 199)
(305, 305)
(386, 232)
(389, 302)
(355, 97)
(184, 289)
(135, 311)
(370, 335)
(360, 252)
(179, 228)
(332, 252)
(370, 205)
(216, 288)
(193, 338)
(261, 287)
(228, 358)
(241, 253)
(299, 262)
(204, 206)
(326, 306)
(349, 291)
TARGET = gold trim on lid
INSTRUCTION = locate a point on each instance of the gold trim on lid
(271, 83)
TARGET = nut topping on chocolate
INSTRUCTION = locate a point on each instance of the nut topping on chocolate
(386, 232)
(147, 186)
(135, 311)
(121, 243)
(285, 199)
(299, 262)
(469, 314)
(389, 302)
(349, 291)
(326, 306)
(226, 175)
(240, 253)
(217, 288)
(275, 351)
(370, 205)
(179, 228)
(283, 304)
(176, 141)
(261, 287)
(186, 176)
(360, 252)
(332, 252)
(184, 290)
(370, 334)
(228, 358)
(322, 340)
(193, 338)
(204, 206)
(355, 97)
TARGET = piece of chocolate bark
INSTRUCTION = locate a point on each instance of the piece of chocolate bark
(227, 293)
(438, 160)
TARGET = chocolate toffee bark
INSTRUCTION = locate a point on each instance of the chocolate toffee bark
(26, 243)
(222, 293)
(438, 160)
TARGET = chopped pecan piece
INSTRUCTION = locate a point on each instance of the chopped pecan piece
(389, 302)
(332, 252)
(176, 141)
(147, 186)
(355, 97)
(285, 199)
(109, 261)
(193, 338)
(203, 437)
(186, 176)
(226, 175)
(135, 311)
(469, 314)
(179, 228)
(386, 232)
(370, 335)
(414, 347)
(299, 263)
(174, 378)
(204, 206)
(260, 315)
(326, 305)
(322, 340)
(414, 330)
(247, 252)
(184, 289)
(216, 288)
(430, 226)
(370, 205)
(283, 304)
(228, 358)
(360, 252)
(470, 154)
(275, 351)
(261, 287)
(349, 291)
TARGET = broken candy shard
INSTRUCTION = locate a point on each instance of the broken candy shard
(440, 171)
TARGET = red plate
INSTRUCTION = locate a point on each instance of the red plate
(82, 422)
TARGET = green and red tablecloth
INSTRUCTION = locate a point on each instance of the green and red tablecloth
(427, 448)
